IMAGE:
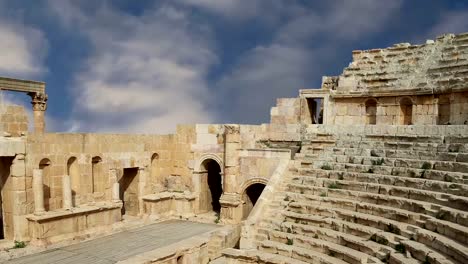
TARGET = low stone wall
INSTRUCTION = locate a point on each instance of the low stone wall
(167, 204)
(52, 227)
(198, 249)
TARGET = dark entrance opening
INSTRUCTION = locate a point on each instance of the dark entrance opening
(250, 197)
(6, 215)
(129, 191)
(214, 184)
(315, 110)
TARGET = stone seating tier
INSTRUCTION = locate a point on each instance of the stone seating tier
(372, 199)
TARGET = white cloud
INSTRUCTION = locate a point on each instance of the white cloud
(240, 10)
(293, 58)
(22, 50)
(145, 74)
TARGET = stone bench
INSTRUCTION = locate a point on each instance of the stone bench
(387, 224)
(412, 198)
(456, 189)
(236, 256)
(447, 176)
(361, 244)
(298, 253)
(325, 247)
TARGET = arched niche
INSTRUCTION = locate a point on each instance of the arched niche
(155, 173)
(98, 177)
(406, 111)
(45, 166)
(371, 111)
(74, 172)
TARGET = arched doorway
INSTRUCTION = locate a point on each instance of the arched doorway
(406, 111)
(371, 112)
(211, 186)
(250, 197)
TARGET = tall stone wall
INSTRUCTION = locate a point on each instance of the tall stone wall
(115, 152)
(13, 120)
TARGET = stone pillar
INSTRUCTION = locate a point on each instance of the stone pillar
(15, 185)
(142, 177)
(231, 209)
(116, 192)
(39, 104)
(38, 191)
(67, 192)
(113, 180)
(231, 157)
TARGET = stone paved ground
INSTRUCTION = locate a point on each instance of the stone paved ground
(120, 246)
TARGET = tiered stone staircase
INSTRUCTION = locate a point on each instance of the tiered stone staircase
(371, 199)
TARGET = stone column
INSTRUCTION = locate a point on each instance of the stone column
(38, 191)
(39, 104)
(67, 192)
(142, 177)
(231, 209)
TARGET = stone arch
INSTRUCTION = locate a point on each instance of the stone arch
(74, 172)
(371, 111)
(45, 166)
(208, 176)
(209, 156)
(406, 111)
(251, 191)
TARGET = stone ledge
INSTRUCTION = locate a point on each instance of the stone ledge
(61, 214)
(169, 195)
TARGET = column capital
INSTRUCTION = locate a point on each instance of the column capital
(231, 129)
(39, 101)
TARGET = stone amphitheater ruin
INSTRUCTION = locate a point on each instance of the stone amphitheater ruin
(370, 168)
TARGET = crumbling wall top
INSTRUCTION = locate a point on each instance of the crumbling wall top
(434, 67)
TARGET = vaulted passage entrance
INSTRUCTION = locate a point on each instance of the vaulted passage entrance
(210, 187)
(250, 197)
(129, 191)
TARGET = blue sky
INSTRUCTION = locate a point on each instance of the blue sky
(145, 66)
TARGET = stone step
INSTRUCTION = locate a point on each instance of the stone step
(398, 258)
(410, 162)
(361, 244)
(424, 253)
(394, 225)
(297, 253)
(437, 198)
(413, 211)
(263, 257)
(358, 230)
(457, 189)
(447, 176)
(341, 252)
